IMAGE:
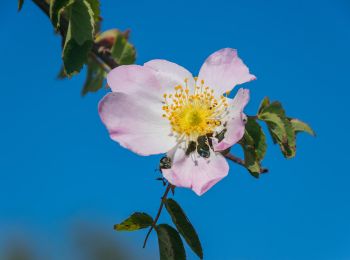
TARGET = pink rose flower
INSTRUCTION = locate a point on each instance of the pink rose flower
(161, 108)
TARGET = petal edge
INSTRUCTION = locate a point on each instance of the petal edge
(223, 70)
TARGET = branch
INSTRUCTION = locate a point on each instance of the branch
(107, 62)
(241, 162)
(158, 213)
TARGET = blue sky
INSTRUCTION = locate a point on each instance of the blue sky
(58, 165)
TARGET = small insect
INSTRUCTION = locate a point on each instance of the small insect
(203, 148)
(220, 136)
(164, 163)
(191, 148)
(202, 139)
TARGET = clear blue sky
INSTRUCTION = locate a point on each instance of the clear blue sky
(58, 165)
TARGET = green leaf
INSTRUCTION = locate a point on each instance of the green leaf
(95, 77)
(256, 133)
(79, 39)
(95, 6)
(275, 125)
(20, 4)
(56, 8)
(170, 243)
(122, 51)
(250, 158)
(81, 22)
(75, 56)
(254, 147)
(136, 221)
(264, 103)
(300, 126)
(274, 107)
(251, 163)
(289, 147)
(184, 226)
(280, 127)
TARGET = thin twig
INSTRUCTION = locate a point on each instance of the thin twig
(97, 59)
(158, 213)
(104, 56)
(235, 159)
(241, 162)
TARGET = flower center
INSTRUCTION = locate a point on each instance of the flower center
(194, 113)
(194, 116)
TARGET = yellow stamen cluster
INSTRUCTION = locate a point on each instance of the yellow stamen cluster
(194, 114)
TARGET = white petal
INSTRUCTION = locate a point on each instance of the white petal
(199, 175)
(223, 70)
(236, 123)
(170, 74)
(136, 123)
(135, 80)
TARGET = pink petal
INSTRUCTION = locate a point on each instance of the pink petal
(135, 79)
(136, 123)
(199, 177)
(170, 74)
(223, 70)
(235, 124)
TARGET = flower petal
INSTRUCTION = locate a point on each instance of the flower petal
(135, 79)
(170, 74)
(199, 176)
(223, 70)
(136, 124)
(236, 122)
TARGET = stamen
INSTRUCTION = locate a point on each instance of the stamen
(194, 114)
